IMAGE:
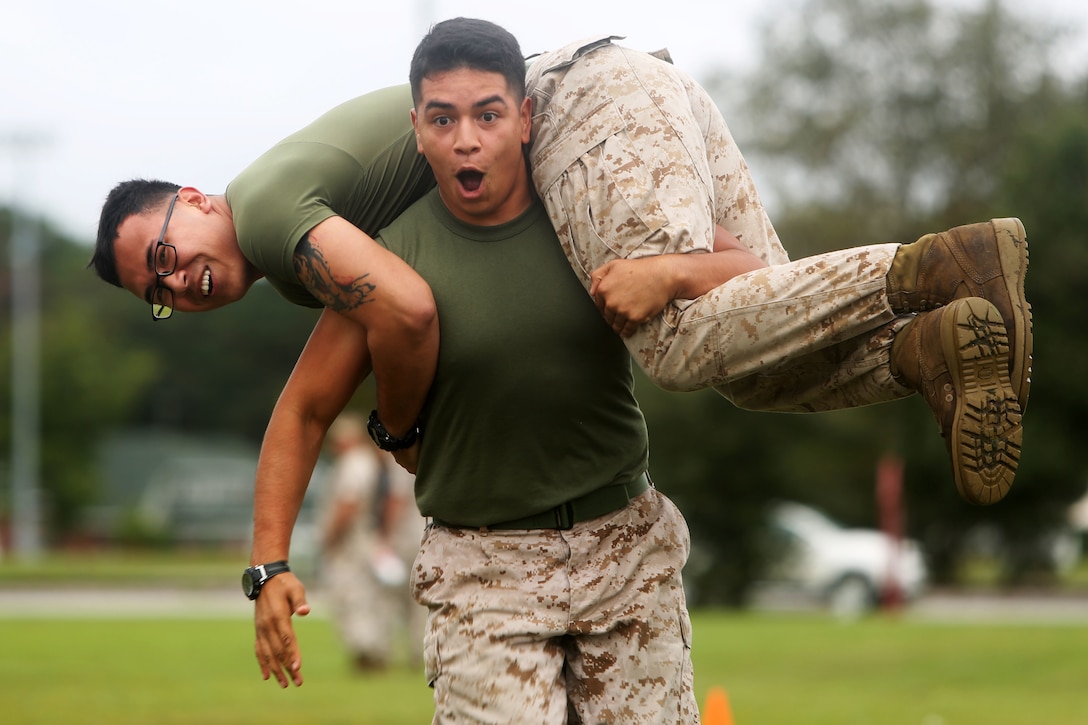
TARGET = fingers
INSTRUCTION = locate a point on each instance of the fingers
(276, 646)
(597, 277)
(278, 656)
(268, 664)
(625, 295)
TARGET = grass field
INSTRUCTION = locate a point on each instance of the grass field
(775, 669)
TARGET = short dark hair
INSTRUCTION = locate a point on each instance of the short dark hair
(468, 43)
(136, 196)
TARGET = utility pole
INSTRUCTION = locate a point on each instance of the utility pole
(24, 252)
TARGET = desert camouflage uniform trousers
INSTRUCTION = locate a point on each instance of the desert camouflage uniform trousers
(632, 158)
(542, 627)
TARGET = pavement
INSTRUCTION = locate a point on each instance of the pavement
(1015, 608)
(150, 603)
(1045, 608)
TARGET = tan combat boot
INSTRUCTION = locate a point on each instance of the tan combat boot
(988, 260)
(956, 358)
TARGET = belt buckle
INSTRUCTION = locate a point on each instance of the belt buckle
(564, 516)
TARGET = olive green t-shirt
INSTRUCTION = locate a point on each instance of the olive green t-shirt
(358, 161)
(533, 400)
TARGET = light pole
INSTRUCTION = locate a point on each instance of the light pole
(24, 250)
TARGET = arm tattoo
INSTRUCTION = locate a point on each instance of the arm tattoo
(314, 273)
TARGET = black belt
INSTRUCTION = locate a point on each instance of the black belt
(595, 503)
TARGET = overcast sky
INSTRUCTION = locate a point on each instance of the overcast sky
(192, 92)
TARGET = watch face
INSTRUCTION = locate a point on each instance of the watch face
(248, 584)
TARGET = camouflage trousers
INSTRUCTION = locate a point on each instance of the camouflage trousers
(587, 625)
(632, 158)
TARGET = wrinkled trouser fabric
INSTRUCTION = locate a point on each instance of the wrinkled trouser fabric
(587, 625)
(632, 158)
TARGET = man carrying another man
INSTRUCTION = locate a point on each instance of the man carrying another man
(225, 243)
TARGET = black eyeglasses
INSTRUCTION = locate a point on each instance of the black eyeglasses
(166, 261)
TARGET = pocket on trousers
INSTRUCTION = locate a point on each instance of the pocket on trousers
(432, 663)
(608, 185)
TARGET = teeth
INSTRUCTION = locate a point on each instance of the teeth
(206, 283)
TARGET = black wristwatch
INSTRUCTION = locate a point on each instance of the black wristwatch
(254, 577)
(387, 442)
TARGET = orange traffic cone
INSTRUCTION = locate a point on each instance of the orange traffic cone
(716, 711)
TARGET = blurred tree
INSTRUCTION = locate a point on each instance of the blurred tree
(87, 381)
(900, 109)
(220, 372)
(105, 365)
(1046, 175)
(880, 120)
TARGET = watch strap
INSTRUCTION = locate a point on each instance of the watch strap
(256, 576)
(387, 442)
(273, 568)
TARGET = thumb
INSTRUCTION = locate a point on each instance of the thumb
(297, 599)
(597, 276)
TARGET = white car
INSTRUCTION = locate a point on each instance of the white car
(845, 569)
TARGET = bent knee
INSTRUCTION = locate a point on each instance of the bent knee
(668, 375)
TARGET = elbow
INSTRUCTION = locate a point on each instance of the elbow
(412, 321)
(406, 321)
(420, 318)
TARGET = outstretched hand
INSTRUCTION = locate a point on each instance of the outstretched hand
(277, 647)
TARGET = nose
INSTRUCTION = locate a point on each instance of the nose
(467, 140)
(177, 282)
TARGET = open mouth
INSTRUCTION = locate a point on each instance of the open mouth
(206, 285)
(470, 180)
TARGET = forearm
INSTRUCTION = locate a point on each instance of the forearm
(693, 275)
(288, 455)
(326, 375)
(630, 292)
(690, 276)
(404, 362)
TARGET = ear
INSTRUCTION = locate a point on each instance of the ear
(526, 115)
(193, 197)
(415, 127)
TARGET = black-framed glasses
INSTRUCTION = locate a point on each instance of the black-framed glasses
(166, 261)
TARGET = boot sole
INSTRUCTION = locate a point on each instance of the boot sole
(1013, 249)
(986, 434)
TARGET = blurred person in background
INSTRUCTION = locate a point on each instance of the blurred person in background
(370, 530)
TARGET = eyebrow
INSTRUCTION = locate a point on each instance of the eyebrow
(444, 105)
(150, 268)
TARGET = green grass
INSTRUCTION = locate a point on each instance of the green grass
(115, 567)
(886, 671)
(775, 669)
